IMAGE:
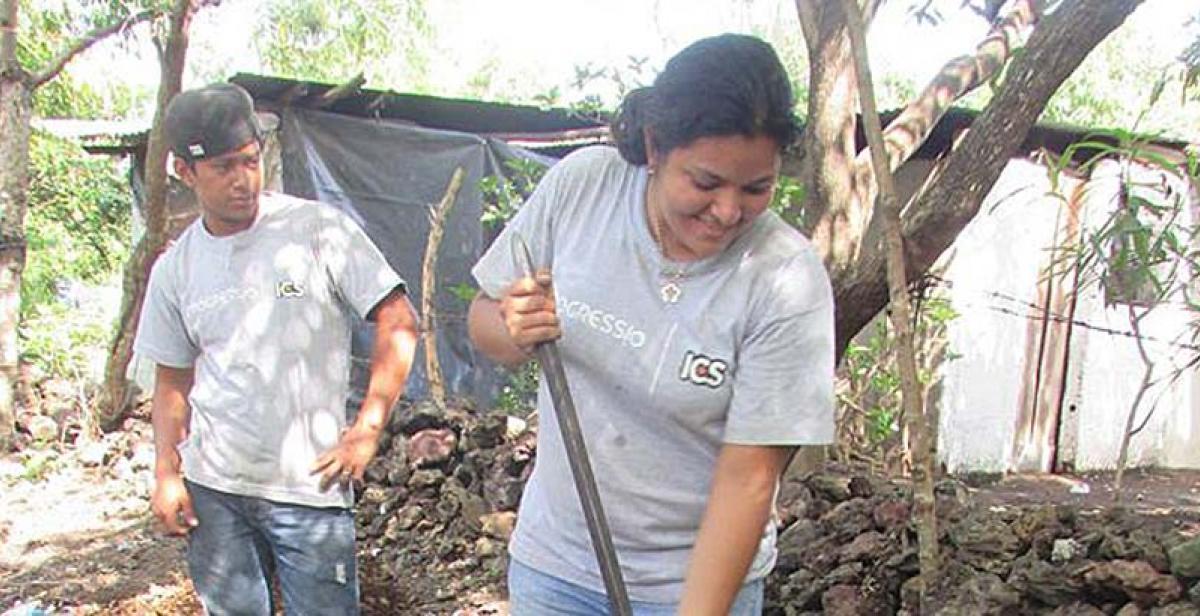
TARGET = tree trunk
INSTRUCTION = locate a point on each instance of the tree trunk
(838, 214)
(16, 109)
(888, 210)
(1135, 315)
(118, 392)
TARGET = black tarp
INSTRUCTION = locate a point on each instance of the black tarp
(388, 175)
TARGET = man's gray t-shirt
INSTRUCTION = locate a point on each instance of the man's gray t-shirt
(264, 317)
(744, 357)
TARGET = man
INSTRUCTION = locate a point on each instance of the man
(247, 317)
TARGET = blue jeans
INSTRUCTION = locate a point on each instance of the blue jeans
(241, 541)
(533, 593)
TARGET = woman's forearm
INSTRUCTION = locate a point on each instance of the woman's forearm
(485, 325)
(739, 505)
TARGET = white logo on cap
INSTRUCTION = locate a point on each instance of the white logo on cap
(196, 149)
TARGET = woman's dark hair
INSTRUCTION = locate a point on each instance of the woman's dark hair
(730, 84)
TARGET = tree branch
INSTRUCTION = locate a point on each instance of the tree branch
(9, 13)
(118, 392)
(1055, 49)
(958, 77)
(342, 91)
(829, 218)
(809, 17)
(56, 66)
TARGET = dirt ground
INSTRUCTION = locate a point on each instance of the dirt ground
(79, 539)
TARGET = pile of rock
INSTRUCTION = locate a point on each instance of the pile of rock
(440, 500)
(438, 507)
(849, 547)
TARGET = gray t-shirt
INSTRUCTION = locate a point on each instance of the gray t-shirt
(744, 357)
(264, 317)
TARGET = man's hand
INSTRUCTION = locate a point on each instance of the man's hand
(529, 312)
(172, 505)
(349, 458)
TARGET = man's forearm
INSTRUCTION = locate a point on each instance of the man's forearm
(391, 360)
(170, 416)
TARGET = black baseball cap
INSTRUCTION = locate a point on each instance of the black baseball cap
(210, 121)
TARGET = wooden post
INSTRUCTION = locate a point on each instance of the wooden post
(437, 226)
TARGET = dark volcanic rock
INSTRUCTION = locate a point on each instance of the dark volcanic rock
(1044, 583)
(1185, 559)
(985, 543)
(1136, 579)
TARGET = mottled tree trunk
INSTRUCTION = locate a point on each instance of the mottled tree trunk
(16, 109)
(118, 390)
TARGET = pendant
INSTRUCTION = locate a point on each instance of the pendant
(670, 292)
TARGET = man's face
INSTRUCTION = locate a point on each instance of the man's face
(227, 188)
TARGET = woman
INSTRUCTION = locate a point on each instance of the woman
(697, 334)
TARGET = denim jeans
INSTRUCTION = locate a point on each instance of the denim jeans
(241, 541)
(533, 593)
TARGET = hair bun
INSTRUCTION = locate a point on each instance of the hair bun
(628, 127)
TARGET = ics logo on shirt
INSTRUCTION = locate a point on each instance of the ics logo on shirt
(703, 370)
(288, 288)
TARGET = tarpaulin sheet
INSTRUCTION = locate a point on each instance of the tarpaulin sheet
(388, 176)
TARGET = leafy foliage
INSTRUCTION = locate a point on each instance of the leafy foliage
(502, 198)
(1143, 251)
(1115, 86)
(788, 198)
(67, 340)
(869, 396)
(51, 26)
(37, 464)
(518, 395)
(333, 40)
(78, 231)
(504, 195)
(79, 218)
(463, 292)
(1190, 57)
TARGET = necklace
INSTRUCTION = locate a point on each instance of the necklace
(672, 275)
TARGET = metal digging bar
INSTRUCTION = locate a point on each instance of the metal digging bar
(581, 469)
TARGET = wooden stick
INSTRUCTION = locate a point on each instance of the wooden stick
(437, 225)
(346, 89)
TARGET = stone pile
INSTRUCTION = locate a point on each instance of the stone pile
(438, 506)
(849, 548)
(440, 502)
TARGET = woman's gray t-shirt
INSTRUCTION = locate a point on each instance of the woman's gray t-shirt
(744, 357)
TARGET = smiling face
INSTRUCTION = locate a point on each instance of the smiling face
(227, 187)
(705, 194)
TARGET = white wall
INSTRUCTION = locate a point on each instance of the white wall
(993, 276)
(1109, 368)
(994, 270)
